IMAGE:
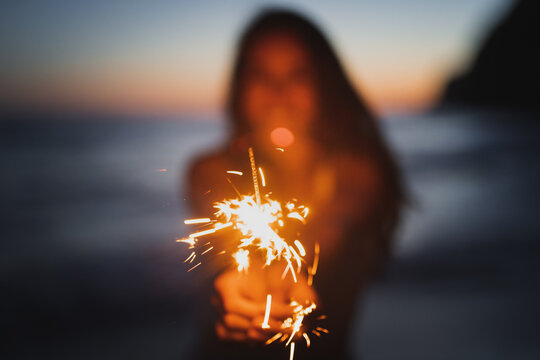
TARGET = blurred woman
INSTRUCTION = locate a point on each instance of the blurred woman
(288, 90)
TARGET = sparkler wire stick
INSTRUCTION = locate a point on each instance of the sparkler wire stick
(254, 175)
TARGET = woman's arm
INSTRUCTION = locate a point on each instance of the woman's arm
(350, 200)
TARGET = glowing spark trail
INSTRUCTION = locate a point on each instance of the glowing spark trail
(273, 338)
(292, 352)
(190, 257)
(267, 312)
(308, 342)
(207, 250)
(263, 181)
(197, 221)
(313, 269)
(194, 267)
(300, 248)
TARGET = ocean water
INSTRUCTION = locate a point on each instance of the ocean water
(464, 280)
(91, 269)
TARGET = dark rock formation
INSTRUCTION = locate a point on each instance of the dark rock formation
(506, 70)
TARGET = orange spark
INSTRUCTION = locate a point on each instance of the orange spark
(207, 250)
(190, 257)
(273, 338)
(306, 337)
(194, 267)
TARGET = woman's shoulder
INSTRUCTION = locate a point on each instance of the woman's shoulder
(209, 164)
(354, 175)
(354, 165)
(205, 181)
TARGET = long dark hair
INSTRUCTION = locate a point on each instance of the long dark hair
(345, 124)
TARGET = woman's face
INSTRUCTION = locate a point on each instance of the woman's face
(279, 90)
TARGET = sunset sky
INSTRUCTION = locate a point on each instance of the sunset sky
(173, 57)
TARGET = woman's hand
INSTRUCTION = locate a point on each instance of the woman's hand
(241, 301)
(238, 304)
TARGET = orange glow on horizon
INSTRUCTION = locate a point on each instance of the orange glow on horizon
(414, 90)
(147, 91)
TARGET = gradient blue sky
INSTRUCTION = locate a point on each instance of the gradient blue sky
(174, 56)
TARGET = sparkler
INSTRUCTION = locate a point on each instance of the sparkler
(258, 219)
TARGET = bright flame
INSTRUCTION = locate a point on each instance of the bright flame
(295, 321)
(258, 224)
(242, 259)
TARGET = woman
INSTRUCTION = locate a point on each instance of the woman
(288, 90)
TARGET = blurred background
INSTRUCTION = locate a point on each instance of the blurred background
(104, 103)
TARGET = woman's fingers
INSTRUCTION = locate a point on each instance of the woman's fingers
(241, 306)
(256, 334)
(235, 322)
(236, 332)
(231, 298)
(280, 310)
(225, 334)
(274, 325)
(236, 328)
(242, 316)
(303, 293)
